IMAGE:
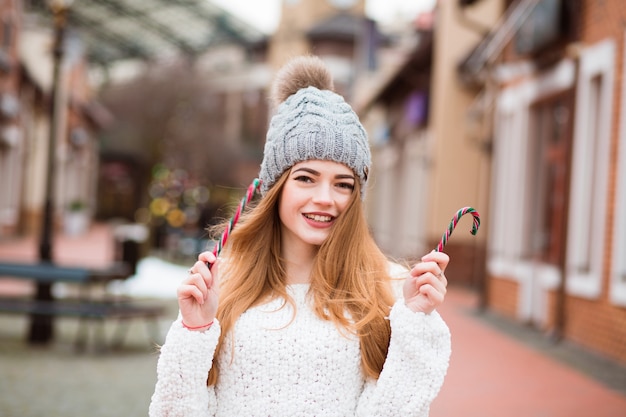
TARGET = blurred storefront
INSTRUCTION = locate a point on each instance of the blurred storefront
(28, 89)
(548, 76)
(95, 176)
(514, 108)
(427, 163)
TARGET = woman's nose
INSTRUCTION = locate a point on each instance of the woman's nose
(323, 194)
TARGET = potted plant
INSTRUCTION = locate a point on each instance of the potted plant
(76, 218)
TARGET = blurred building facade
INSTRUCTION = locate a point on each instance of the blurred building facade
(105, 173)
(550, 87)
(425, 165)
(338, 31)
(300, 20)
(514, 108)
(26, 83)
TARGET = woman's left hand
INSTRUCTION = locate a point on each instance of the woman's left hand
(425, 288)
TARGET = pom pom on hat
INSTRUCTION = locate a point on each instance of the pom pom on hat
(311, 122)
(301, 72)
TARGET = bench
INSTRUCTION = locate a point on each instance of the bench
(43, 308)
(49, 272)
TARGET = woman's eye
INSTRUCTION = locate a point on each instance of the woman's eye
(303, 178)
(346, 185)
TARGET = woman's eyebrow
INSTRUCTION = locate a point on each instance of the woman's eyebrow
(317, 173)
(309, 170)
(344, 177)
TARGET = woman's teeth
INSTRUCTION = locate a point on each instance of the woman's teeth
(318, 218)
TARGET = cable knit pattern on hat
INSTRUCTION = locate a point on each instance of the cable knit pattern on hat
(314, 124)
(304, 367)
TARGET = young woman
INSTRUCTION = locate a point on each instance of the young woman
(299, 317)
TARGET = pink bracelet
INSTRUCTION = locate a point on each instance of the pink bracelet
(198, 327)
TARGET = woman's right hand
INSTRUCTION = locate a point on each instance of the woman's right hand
(198, 293)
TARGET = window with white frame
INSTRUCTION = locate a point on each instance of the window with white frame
(547, 169)
(618, 271)
(531, 120)
(588, 192)
(505, 237)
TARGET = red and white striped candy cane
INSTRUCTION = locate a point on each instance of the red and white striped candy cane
(252, 189)
(455, 221)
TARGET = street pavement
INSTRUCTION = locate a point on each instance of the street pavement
(498, 368)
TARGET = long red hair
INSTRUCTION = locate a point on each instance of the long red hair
(350, 274)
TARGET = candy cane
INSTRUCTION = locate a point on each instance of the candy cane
(252, 189)
(455, 221)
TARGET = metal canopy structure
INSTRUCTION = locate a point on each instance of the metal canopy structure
(114, 30)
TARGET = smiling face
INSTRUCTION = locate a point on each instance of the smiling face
(315, 194)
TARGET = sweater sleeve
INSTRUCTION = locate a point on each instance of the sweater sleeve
(416, 364)
(182, 370)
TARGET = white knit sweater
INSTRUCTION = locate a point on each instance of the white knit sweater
(300, 368)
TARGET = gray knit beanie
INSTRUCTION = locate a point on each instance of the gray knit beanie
(312, 122)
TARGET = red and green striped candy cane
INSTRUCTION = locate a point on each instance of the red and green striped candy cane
(252, 189)
(455, 221)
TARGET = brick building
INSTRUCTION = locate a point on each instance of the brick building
(553, 77)
(527, 126)
(27, 91)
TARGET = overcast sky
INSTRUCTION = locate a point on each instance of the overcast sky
(264, 14)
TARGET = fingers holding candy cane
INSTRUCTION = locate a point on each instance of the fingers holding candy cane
(198, 293)
(425, 288)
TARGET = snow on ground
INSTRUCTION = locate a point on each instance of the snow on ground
(155, 278)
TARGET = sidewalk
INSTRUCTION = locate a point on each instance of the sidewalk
(516, 372)
(497, 368)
